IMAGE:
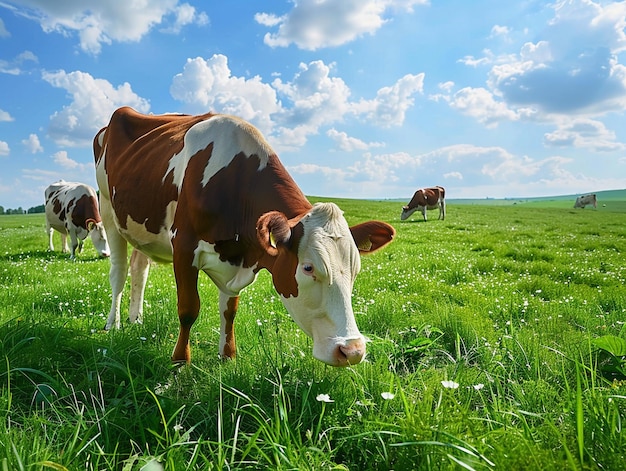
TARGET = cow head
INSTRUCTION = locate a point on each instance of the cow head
(98, 237)
(316, 260)
(407, 211)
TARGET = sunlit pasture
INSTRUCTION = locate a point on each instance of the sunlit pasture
(496, 342)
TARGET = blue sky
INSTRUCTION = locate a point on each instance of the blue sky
(360, 98)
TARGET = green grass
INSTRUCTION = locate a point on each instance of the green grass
(502, 304)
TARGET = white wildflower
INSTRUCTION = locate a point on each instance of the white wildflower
(450, 384)
(323, 398)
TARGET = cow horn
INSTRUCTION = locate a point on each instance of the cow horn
(273, 230)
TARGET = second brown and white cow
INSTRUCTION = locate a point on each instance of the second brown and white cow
(72, 209)
(586, 200)
(425, 199)
(209, 194)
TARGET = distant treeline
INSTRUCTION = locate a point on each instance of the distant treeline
(33, 210)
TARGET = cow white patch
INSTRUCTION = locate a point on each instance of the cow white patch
(156, 246)
(230, 279)
(229, 135)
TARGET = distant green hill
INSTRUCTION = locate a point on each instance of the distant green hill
(611, 200)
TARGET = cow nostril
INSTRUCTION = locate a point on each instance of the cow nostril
(351, 353)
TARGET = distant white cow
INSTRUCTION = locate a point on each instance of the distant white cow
(585, 200)
(72, 208)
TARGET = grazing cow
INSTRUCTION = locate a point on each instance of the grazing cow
(72, 208)
(426, 198)
(209, 194)
(585, 200)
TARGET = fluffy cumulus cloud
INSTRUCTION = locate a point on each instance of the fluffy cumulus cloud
(584, 133)
(92, 103)
(97, 22)
(572, 68)
(208, 84)
(312, 24)
(5, 116)
(479, 103)
(291, 109)
(4, 149)
(391, 103)
(350, 144)
(32, 144)
(570, 76)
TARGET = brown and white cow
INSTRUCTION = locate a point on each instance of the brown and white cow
(209, 194)
(424, 199)
(72, 209)
(585, 200)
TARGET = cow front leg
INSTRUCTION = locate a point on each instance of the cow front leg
(188, 307)
(74, 243)
(64, 247)
(228, 310)
(139, 269)
(117, 276)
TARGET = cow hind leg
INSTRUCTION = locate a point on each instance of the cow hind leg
(442, 211)
(228, 310)
(139, 269)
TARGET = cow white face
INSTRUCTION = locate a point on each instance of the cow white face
(99, 238)
(327, 264)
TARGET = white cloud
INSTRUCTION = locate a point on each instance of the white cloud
(584, 133)
(97, 22)
(4, 149)
(290, 110)
(499, 30)
(573, 68)
(391, 103)
(455, 175)
(60, 158)
(4, 33)
(479, 103)
(93, 102)
(186, 15)
(32, 144)
(349, 144)
(312, 24)
(316, 97)
(210, 86)
(5, 116)
(16, 65)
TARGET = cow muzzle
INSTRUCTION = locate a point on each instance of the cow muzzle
(347, 353)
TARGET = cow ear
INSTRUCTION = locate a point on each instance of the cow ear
(273, 231)
(90, 224)
(372, 235)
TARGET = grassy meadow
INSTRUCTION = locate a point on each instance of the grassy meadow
(496, 342)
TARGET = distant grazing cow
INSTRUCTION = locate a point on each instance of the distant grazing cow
(426, 198)
(72, 209)
(585, 200)
(209, 194)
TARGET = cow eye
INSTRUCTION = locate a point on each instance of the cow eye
(307, 268)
